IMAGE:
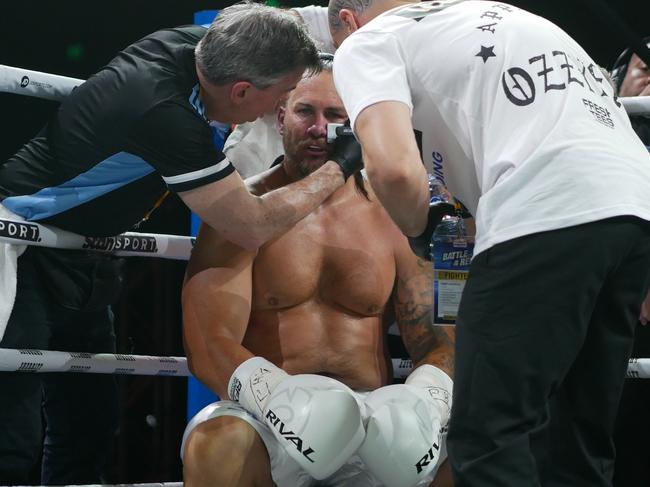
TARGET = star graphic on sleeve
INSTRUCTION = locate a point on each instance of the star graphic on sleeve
(485, 53)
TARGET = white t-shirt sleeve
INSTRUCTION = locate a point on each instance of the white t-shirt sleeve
(369, 68)
(315, 18)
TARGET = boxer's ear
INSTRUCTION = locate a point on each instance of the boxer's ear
(281, 113)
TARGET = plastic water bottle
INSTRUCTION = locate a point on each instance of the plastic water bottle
(452, 250)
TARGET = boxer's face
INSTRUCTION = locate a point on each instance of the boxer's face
(303, 122)
(637, 79)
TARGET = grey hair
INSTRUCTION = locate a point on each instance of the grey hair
(256, 43)
(335, 7)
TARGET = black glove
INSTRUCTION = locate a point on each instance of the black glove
(347, 152)
(461, 209)
(421, 245)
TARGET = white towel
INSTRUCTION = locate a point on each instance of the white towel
(253, 146)
(9, 254)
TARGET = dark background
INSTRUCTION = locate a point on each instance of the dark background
(75, 38)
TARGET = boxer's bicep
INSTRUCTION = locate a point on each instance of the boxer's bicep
(217, 291)
(216, 301)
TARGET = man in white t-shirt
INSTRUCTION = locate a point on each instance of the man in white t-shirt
(519, 123)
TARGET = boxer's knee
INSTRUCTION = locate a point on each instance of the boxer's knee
(216, 434)
(225, 451)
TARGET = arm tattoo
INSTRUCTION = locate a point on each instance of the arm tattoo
(425, 342)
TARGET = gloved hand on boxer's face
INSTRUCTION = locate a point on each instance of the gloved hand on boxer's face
(316, 419)
(346, 152)
(405, 426)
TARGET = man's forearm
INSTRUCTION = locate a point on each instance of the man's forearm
(433, 345)
(425, 342)
(225, 356)
(216, 302)
(443, 357)
(249, 221)
(286, 206)
(393, 164)
(215, 363)
(405, 195)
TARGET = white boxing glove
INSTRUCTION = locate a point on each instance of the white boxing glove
(405, 425)
(316, 419)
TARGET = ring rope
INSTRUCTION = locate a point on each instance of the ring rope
(636, 105)
(126, 244)
(55, 87)
(13, 360)
(34, 83)
(158, 484)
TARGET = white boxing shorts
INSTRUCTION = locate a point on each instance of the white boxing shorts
(285, 470)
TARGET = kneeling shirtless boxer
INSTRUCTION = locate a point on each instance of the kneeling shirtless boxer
(294, 336)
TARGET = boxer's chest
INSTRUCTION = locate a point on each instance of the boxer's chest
(340, 263)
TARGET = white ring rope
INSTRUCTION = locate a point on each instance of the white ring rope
(108, 363)
(34, 83)
(127, 244)
(96, 363)
(636, 105)
(638, 368)
(54, 87)
(158, 484)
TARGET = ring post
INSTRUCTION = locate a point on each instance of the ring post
(198, 395)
